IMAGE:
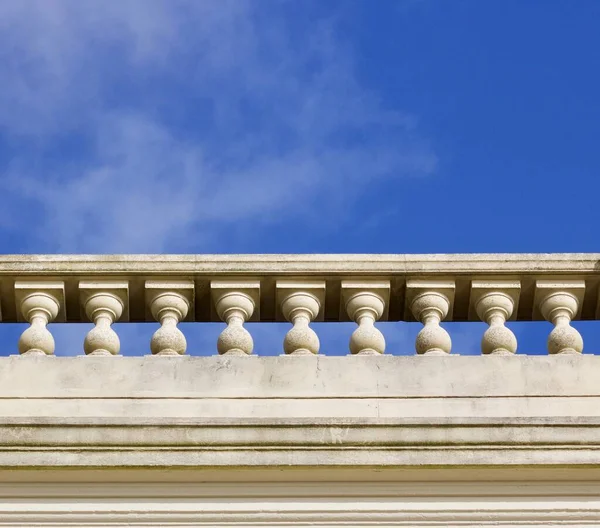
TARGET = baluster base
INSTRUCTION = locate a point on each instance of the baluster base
(436, 352)
(35, 352)
(500, 352)
(168, 352)
(367, 352)
(100, 352)
(567, 351)
(235, 352)
(301, 352)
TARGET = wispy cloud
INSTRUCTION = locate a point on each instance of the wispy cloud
(144, 126)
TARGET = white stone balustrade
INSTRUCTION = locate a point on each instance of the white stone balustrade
(559, 302)
(365, 303)
(376, 439)
(38, 303)
(300, 289)
(495, 303)
(169, 303)
(236, 303)
(104, 303)
(430, 303)
(301, 303)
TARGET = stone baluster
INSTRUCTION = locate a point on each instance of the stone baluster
(559, 303)
(366, 302)
(103, 302)
(300, 303)
(496, 302)
(39, 303)
(169, 302)
(235, 302)
(430, 303)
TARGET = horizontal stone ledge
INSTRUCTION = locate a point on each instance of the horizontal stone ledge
(299, 289)
(275, 481)
(316, 503)
(340, 485)
(286, 458)
(300, 263)
(308, 408)
(302, 434)
(307, 377)
(418, 514)
(285, 422)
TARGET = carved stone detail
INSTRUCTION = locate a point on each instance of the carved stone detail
(169, 303)
(38, 303)
(559, 303)
(104, 303)
(430, 303)
(301, 303)
(495, 303)
(235, 303)
(366, 302)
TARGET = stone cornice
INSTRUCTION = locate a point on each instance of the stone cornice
(322, 504)
(310, 264)
(382, 411)
(235, 443)
(315, 441)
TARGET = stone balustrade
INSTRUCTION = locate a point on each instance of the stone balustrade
(375, 439)
(300, 289)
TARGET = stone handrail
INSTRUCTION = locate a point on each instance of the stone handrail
(493, 288)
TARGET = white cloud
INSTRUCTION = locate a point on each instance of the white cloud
(169, 125)
(153, 125)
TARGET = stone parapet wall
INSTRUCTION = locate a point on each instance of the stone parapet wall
(381, 411)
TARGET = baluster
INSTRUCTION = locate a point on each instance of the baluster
(235, 303)
(169, 303)
(495, 303)
(366, 302)
(39, 303)
(559, 303)
(300, 304)
(430, 303)
(104, 302)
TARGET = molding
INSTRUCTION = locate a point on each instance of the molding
(379, 443)
(321, 504)
(270, 412)
(308, 441)
(361, 264)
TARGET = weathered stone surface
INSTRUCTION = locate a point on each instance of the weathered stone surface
(526, 269)
(304, 439)
(300, 440)
(300, 411)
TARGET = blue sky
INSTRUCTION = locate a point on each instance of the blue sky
(233, 126)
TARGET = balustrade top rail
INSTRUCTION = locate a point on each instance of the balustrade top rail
(273, 265)
(493, 288)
